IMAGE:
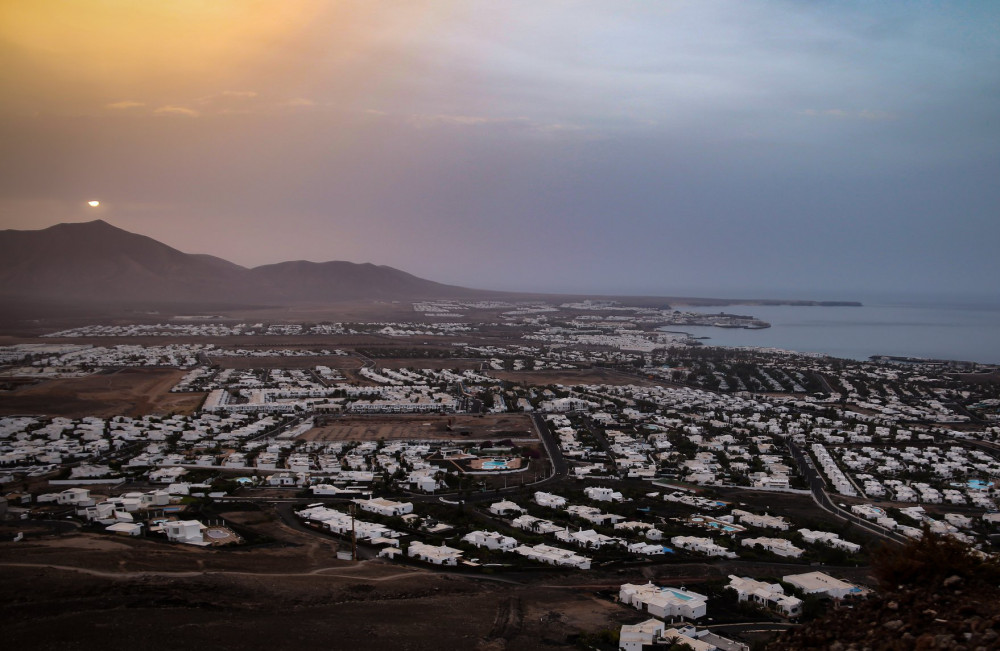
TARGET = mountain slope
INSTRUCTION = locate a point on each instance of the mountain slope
(326, 281)
(96, 261)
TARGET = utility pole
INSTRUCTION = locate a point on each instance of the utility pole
(354, 537)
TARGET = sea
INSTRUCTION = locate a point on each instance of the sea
(947, 331)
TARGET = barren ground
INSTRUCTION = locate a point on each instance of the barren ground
(423, 426)
(87, 590)
(570, 377)
(127, 392)
(332, 361)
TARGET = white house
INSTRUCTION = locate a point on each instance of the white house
(126, 528)
(769, 595)
(283, 479)
(601, 494)
(490, 540)
(778, 546)
(664, 602)
(384, 507)
(554, 556)
(548, 499)
(505, 507)
(632, 637)
(436, 555)
(823, 584)
(763, 521)
(184, 531)
(75, 496)
(700, 545)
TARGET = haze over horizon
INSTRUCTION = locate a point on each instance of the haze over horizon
(714, 148)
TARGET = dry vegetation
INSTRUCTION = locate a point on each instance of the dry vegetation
(126, 392)
(83, 590)
(570, 377)
(423, 426)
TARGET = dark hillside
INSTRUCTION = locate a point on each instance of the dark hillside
(934, 593)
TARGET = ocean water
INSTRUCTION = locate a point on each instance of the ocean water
(966, 332)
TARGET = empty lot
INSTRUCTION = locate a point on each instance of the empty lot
(423, 426)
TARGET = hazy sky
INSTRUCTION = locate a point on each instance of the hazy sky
(722, 147)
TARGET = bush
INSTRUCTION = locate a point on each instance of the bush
(929, 560)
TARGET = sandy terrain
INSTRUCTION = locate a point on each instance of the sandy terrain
(423, 426)
(87, 590)
(570, 377)
(332, 361)
(128, 392)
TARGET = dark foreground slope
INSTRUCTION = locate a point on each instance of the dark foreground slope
(933, 594)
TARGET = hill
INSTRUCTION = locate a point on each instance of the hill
(95, 261)
(934, 593)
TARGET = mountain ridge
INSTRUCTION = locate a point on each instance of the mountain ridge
(98, 261)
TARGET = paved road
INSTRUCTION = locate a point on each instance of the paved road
(559, 465)
(603, 441)
(817, 485)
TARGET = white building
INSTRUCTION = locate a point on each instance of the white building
(763, 521)
(664, 602)
(384, 507)
(778, 546)
(184, 531)
(436, 555)
(491, 540)
(505, 507)
(830, 539)
(549, 500)
(601, 494)
(632, 637)
(700, 545)
(769, 595)
(554, 556)
(823, 584)
(75, 496)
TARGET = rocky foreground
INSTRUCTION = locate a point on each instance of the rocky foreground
(934, 594)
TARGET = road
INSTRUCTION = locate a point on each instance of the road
(559, 465)
(817, 486)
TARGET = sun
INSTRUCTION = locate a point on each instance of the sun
(93, 203)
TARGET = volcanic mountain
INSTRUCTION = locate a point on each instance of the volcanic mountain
(96, 261)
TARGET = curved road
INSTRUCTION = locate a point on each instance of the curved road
(817, 486)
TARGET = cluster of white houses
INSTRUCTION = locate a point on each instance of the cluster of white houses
(672, 609)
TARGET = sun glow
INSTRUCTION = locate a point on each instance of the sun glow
(93, 203)
(115, 42)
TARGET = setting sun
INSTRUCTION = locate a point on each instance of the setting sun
(93, 204)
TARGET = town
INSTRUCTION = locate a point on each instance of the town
(524, 440)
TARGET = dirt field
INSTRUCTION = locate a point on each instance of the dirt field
(128, 392)
(461, 363)
(88, 590)
(332, 361)
(423, 426)
(570, 377)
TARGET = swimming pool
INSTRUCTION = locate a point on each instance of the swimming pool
(495, 464)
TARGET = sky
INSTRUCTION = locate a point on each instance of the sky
(704, 147)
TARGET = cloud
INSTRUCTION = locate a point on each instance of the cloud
(876, 115)
(298, 101)
(242, 94)
(176, 110)
(841, 114)
(462, 120)
(125, 104)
